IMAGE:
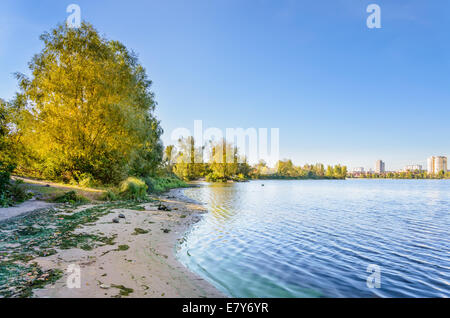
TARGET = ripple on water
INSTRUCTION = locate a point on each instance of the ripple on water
(316, 238)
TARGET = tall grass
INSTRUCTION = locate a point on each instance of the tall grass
(133, 189)
(162, 184)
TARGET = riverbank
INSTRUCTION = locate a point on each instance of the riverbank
(132, 258)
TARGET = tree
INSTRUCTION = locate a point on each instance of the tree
(224, 161)
(87, 109)
(189, 160)
(6, 166)
(168, 157)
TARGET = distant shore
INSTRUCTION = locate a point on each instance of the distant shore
(141, 262)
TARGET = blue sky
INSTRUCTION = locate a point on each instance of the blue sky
(338, 91)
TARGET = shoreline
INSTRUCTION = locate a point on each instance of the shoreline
(142, 262)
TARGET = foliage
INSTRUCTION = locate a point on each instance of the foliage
(403, 175)
(224, 161)
(133, 189)
(87, 109)
(71, 197)
(163, 184)
(285, 169)
(169, 157)
(189, 160)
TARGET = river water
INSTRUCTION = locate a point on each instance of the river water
(323, 238)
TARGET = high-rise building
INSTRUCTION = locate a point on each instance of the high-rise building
(380, 166)
(437, 164)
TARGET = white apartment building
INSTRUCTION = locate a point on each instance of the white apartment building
(437, 164)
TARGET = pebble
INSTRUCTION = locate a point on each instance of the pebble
(116, 220)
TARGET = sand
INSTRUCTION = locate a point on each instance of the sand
(148, 268)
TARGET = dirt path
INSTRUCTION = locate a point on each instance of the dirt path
(26, 207)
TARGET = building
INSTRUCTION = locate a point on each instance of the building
(437, 164)
(413, 168)
(358, 170)
(380, 167)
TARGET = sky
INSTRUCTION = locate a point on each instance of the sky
(338, 91)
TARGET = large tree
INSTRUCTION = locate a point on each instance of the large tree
(87, 109)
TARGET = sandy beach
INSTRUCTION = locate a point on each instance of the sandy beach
(141, 263)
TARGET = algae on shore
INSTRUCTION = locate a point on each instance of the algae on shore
(41, 234)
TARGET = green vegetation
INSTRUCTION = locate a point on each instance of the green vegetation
(85, 115)
(6, 164)
(224, 164)
(133, 189)
(71, 197)
(123, 291)
(162, 184)
(285, 169)
(403, 175)
(138, 231)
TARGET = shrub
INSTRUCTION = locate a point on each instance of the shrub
(18, 193)
(162, 184)
(110, 195)
(5, 174)
(133, 189)
(71, 197)
(86, 180)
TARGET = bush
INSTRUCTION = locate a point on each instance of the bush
(5, 175)
(18, 193)
(110, 195)
(133, 189)
(162, 184)
(86, 180)
(71, 197)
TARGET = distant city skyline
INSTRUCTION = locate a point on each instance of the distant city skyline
(340, 93)
(435, 164)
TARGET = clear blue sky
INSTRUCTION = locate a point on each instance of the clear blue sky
(338, 91)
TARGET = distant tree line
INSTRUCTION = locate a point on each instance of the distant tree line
(218, 161)
(224, 163)
(285, 169)
(417, 174)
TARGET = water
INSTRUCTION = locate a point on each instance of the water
(317, 238)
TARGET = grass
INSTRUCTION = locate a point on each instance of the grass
(52, 192)
(133, 189)
(163, 184)
(71, 197)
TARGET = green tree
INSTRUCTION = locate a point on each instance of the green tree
(189, 160)
(169, 153)
(224, 161)
(87, 109)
